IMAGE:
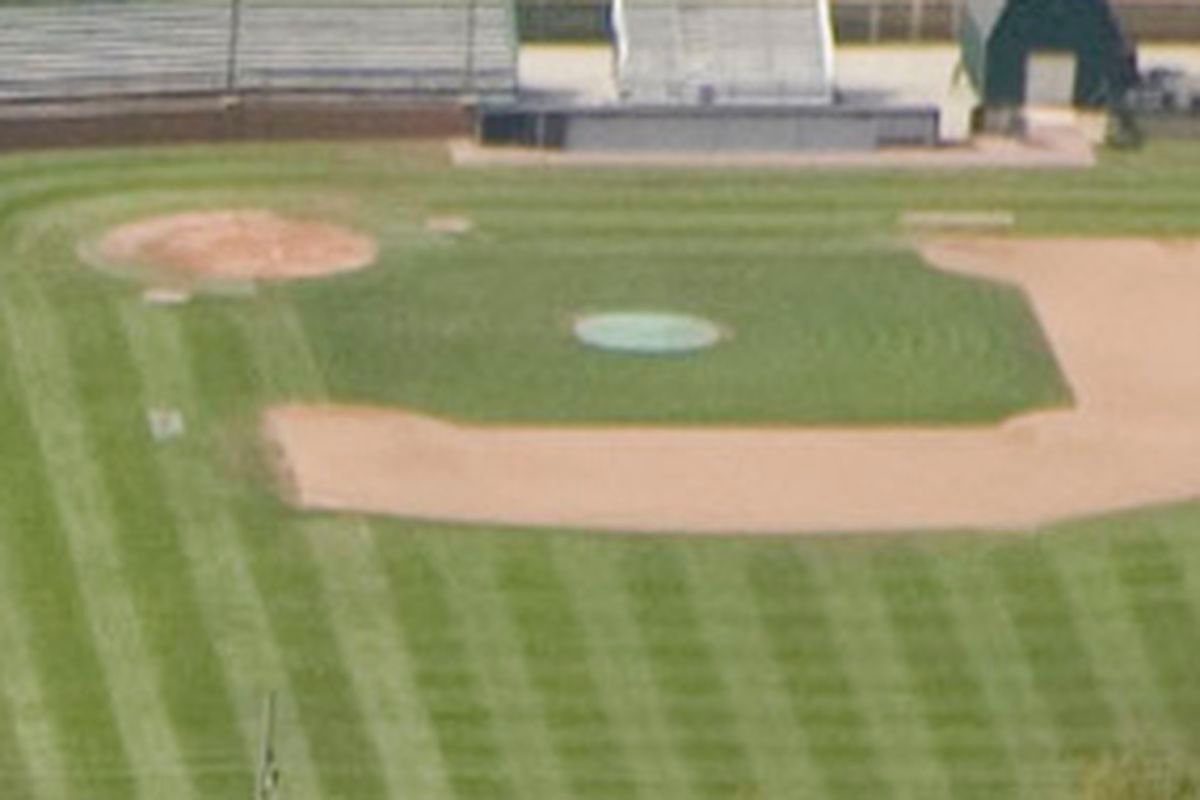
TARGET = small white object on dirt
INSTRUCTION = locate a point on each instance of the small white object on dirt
(165, 423)
(454, 225)
(162, 296)
(959, 220)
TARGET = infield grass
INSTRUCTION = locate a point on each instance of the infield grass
(830, 314)
(153, 592)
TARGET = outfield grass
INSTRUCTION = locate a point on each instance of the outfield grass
(153, 592)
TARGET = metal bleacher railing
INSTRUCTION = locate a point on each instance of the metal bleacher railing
(682, 51)
(151, 47)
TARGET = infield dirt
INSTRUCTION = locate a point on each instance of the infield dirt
(237, 244)
(1121, 315)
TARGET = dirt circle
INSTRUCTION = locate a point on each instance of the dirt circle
(238, 244)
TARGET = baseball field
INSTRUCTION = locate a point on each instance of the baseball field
(157, 582)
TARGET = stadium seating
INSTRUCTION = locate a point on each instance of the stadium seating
(724, 51)
(114, 48)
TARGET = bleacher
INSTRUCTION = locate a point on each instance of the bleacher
(114, 48)
(724, 51)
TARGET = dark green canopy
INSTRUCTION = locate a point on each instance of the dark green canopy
(998, 36)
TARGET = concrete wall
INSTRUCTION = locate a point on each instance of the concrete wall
(168, 121)
(664, 129)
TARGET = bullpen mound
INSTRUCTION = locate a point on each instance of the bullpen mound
(237, 245)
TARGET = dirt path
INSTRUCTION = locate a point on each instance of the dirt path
(1122, 315)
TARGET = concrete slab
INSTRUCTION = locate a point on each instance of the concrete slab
(891, 75)
(575, 74)
(907, 75)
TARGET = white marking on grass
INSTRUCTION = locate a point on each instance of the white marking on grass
(355, 587)
(229, 598)
(85, 509)
(162, 296)
(450, 224)
(959, 220)
(165, 423)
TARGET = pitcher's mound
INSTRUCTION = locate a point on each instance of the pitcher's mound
(237, 244)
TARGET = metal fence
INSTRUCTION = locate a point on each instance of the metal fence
(863, 20)
(112, 48)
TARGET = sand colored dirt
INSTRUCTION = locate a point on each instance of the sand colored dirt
(238, 244)
(1123, 317)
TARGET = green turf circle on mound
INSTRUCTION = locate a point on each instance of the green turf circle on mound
(647, 332)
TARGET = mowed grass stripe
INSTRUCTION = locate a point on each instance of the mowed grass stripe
(382, 670)
(347, 761)
(14, 773)
(346, 556)
(80, 497)
(1106, 627)
(623, 673)
(1006, 677)
(820, 696)
(1156, 590)
(1063, 673)
(491, 639)
(30, 767)
(42, 580)
(192, 680)
(558, 659)
(447, 677)
(942, 675)
(704, 727)
(230, 601)
(34, 762)
(776, 746)
(860, 622)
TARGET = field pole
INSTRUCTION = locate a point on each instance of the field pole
(266, 779)
(235, 32)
